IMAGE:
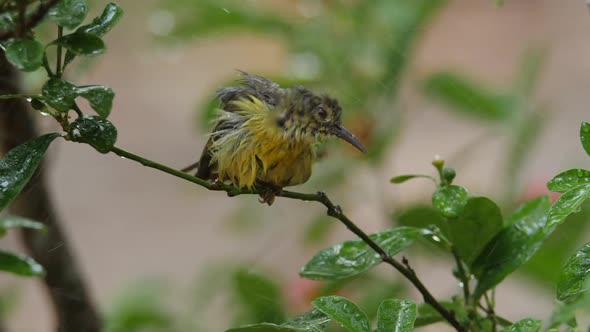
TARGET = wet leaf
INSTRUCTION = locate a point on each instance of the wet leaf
(525, 325)
(513, 246)
(25, 54)
(19, 164)
(354, 257)
(572, 281)
(567, 204)
(311, 321)
(100, 98)
(480, 221)
(427, 315)
(68, 13)
(585, 136)
(396, 316)
(19, 264)
(450, 200)
(96, 131)
(59, 94)
(82, 43)
(569, 180)
(102, 24)
(344, 312)
(8, 222)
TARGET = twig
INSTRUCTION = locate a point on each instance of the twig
(58, 68)
(334, 211)
(463, 277)
(33, 20)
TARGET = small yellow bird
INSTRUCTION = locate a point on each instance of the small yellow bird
(265, 136)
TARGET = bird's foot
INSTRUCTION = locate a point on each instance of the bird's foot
(268, 193)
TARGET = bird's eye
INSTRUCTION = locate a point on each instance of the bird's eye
(322, 112)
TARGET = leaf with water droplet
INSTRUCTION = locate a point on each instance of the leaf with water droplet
(585, 136)
(68, 13)
(19, 164)
(513, 246)
(25, 54)
(396, 316)
(568, 203)
(8, 222)
(102, 24)
(524, 325)
(354, 257)
(569, 180)
(81, 43)
(19, 264)
(96, 131)
(311, 321)
(480, 221)
(265, 327)
(572, 281)
(450, 200)
(344, 312)
(100, 98)
(59, 94)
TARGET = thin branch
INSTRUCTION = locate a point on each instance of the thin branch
(463, 277)
(334, 211)
(33, 20)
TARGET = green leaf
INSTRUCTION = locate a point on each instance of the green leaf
(421, 216)
(513, 246)
(567, 204)
(318, 229)
(100, 98)
(111, 14)
(96, 131)
(404, 178)
(569, 180)
(265, 327)
(19, 164)
(450, 200)
(525, 325)
(468, 97)
(585, 136)
(428, 315)
(396, 316)
(25, 54)
(81, 43)
(59, 94)
(344, 312)
(311, 321)
(19, 264)
(260, 296)
(354, 257)
(480, 221)
(69, 13)
(572, 281)
(8, 222)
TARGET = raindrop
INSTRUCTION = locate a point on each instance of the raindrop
(29, 99)
(226, 10)
(4, 184)
(435, 238)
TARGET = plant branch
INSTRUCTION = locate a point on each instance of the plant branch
(334, 211)
(33, 20)
(58, 68)
(463, 277)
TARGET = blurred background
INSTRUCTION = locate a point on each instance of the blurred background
(498, 91)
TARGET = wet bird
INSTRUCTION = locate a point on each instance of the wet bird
(265, 136)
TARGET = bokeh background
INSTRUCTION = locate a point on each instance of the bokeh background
(497, 91)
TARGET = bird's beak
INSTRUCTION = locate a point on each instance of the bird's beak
(346, 135)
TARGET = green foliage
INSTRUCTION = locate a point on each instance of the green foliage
(312, 321)
(354, 257)
(259, 295)
(19, 264)
(96, 131)
(450, 200)
(81, 43)
(18, 166)
(100, 98)
(573, 277)
(25, 54)
(59, 94)
(513, 246)
(69, 13)
(344, 312)
(525, 325)
(396, 316)
(475, 227)
(9, 222)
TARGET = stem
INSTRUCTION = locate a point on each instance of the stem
(490, 311)
(58, 69)
(334, 211)
(17, 96)
(22, 18)
(463, 277)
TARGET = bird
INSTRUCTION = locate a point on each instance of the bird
(265, 136)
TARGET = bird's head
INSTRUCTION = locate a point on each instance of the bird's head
(321, 115)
